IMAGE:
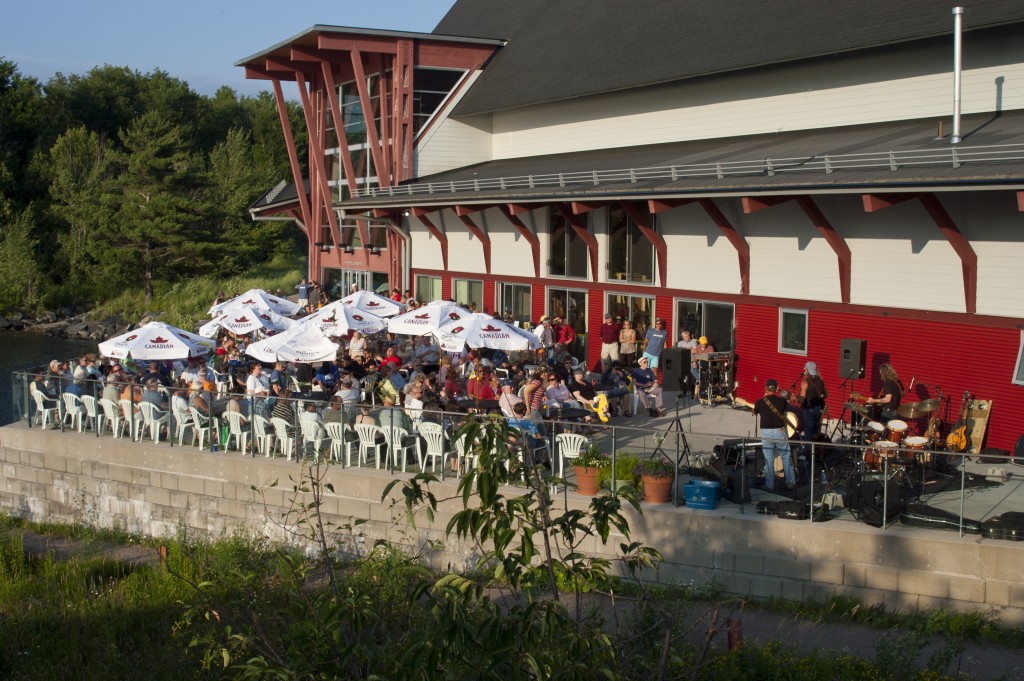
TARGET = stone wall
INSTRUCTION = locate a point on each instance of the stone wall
(156, 490)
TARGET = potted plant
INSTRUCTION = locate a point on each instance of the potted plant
(657, 475)
(621, 472)
(587, 465)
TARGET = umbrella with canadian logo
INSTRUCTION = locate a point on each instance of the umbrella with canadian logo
(261, 300)
(368, 301)
(337, 320)
(245, 319)
(156, 341)
(427, 319)
(303, 343)
(484, 331)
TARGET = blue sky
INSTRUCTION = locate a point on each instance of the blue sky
(195, 40)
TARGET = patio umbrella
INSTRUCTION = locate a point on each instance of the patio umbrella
(245, 319)
(303, 343)
(427, 319)
(156, 341)
(368, 301)
(261, 300)
(484, 331)
(337, 320)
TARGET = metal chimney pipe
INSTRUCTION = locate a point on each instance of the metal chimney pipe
(958, 13)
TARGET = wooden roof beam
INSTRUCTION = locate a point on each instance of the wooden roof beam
(364, 43)
(580, 207)
(581, 230)
(662, 205)
(1020, 201)
(526, 233)
(646, 226)
(421, 215)
(463, 213)
(735, 238)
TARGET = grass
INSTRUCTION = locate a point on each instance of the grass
(184, 303)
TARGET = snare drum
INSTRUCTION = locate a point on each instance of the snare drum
(873, 432)
(918, 444)
(896, 430)
(883, 449)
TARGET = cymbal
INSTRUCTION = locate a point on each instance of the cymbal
(913, 410)
(928, 405)
(854, 407)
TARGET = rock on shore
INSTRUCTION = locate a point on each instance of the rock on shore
(66, 324)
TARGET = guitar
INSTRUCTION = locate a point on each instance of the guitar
(934, 422)
(957, 439)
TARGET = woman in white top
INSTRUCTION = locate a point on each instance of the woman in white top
(357, 346)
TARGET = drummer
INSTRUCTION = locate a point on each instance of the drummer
(892, 391)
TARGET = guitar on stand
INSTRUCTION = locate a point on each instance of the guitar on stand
(956, 441)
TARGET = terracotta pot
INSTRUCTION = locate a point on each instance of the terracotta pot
(586, 480)
(657, 490)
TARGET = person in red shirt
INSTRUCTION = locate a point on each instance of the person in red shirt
(390, 357)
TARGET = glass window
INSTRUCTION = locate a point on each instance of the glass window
(630, 254)
(338, 283)
(466, 291)
(1018, 374)
(637, 309)
(571, 306)
(702, 318)
(568, 256)
(516, 300)
(793, 331)
(427, 288)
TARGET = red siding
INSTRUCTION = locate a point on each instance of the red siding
(595, 318)
(446, 287)
(488, 303)
(954, 357)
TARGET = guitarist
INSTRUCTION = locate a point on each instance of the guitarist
(812, 398)
(772, 410)
(889, 397)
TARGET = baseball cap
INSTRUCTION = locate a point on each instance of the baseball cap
(703, 340)
(607, 315)
(771, 384)
(811, 368)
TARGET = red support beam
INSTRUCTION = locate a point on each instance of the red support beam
(835, 240)
(583, 233)
(401, 111)
(526, 233)
(521, 208)
(753, 204)
(367, 106)
(382, 64)
(661, 205)
(460, 56)
(463, 213)
(580, 207)
(315, 125)
(646, 226)
(876, 202)
(734, 237)
(1020, 201)
(363, 43)
(442, 239)
(293, 157)
(960, 244)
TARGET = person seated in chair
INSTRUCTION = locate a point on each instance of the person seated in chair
(645, 383)
(531, 430)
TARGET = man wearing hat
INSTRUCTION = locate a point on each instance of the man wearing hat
(774, 442)
(508, 399)
(812, 397)
(654, 342)
(610, 338)
(544, 332)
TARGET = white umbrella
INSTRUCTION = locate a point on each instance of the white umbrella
(367, 301)
(484, 331)
(156, 341)
(245, 319)
(261, 300)
(337, 320)
(304, 343)
(428, 318)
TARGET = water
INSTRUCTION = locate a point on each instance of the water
(21, 351)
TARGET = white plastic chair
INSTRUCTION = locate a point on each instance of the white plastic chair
(73, 410)
(570, 446)
(132, 418)
(152, 418)
(236, 431)
(182, 424)
(433, 434)
(263, 432)
(369, 390)
(113, 416)
(92, 413)
(312, 434)
(202, 424)
(47, 415)
(368, 442)
(283, 441)
(339, 443)
(221, 381)
(466, 457)
(394, 438)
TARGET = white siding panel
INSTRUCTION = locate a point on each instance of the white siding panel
(510, 252)
(700, 257)
(1000, 278)
(465, 254)
(902, 84)
(453, 144)
(426, 251)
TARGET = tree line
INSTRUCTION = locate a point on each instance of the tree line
(118, 180)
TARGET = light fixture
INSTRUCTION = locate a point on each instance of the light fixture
(323, 246)
(349, 250)
(374, 250)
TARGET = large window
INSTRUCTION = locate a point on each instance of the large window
(466, 291)
(516, 300)
(630, 254)
(571, 306)
(793, 331)
(637, 309)
(428, 288)
(338, 283)
(568, 254)
(702, 318)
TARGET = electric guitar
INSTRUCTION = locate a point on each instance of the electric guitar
(935, 422)
(957, 440)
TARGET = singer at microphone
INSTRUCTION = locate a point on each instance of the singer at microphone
(812, 397)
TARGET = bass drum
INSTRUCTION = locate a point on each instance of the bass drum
(874, 458)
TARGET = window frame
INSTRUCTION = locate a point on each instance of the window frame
(480, 304)
(1018, 369)
(416, 286)
(633, 236)
(783, 311)
(500, 304)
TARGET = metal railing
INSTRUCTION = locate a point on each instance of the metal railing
(893, 160)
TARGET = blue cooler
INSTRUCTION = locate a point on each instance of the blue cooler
(702, 494)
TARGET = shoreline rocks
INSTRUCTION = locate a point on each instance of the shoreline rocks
(65, 324)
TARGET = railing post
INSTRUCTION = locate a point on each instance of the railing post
(615, 456)
(885, 493)
(812, 476)
(963, 489)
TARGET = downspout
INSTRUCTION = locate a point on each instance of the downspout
(958, 13)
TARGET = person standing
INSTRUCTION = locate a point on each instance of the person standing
(610, 338)
(812, 398)
(303, 288)
(545, 334)
(627, 344)
(654, 342)
(688, 342)
(772, 410)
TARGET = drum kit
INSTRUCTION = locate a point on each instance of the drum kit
(896, 443)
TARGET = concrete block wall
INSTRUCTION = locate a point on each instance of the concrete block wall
(156, 490)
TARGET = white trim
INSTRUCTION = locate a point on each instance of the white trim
(1018, 369)
(806, 315)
